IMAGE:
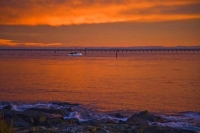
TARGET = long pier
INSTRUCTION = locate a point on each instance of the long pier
(103, 49)
(116, 50)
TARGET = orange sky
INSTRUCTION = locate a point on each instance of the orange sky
(99, 23)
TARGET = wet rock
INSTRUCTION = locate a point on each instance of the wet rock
(107, 121)
(116, 128)
(33, 117)
(142, 113)
(73, 121)
(135, 120)
(122, 122)
(139, 128)
(7, 114)
(91, 128)
(51, 121)
(71, 109)
(118, 115)
(54, 116)
(7, 107)
(102, 131)
(150, 117)
(19, 122)
(74, 129)
(157, 129)
(65, 104)
(41, 129)
(184, 131)
(42, 120)
(51, 111)
(90, 122)
(56, 121)
(143, 118)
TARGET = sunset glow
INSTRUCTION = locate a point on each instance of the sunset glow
(92, 14)
(84, 11)
(100, 66)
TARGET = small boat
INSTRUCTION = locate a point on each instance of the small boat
(75, 54)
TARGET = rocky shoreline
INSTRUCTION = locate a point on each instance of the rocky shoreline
(54, 120)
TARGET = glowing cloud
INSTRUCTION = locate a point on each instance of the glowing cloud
(4, 42)
(68, 12)
(7, 42)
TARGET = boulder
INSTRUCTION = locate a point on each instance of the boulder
(65, 104)
(118, 115)
(107, 121)
(90, 122)
(143, 118)
(91, 129)
(7, 107)
(121, 122)
(73, 121)
(158, 129)
(7, 114)
(51, 111)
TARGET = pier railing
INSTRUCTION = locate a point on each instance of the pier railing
(116, 50)
(104, 49)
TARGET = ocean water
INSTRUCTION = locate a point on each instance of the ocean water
(165, 83)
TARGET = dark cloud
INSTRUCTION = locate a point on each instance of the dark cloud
(68, 12)
(21, 4)
(170, 33)
(178, 9)
(183, 9)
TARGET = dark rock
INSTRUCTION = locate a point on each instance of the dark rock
(51, 111)
(34, 117)
(90, 122)
(21, 123)
(30, 116)
(39, 129)
(157, 129)
(7, 107)
(110, 121)
(118, 115)
(142, 113)
(70, 109)
(38, 120)
(116, 128)
(55, 121)
(12, 116)
(74, 129)
(91, 128)
(184, 131)
(101, 131)
(122, 122)
(65, 104)
(107, 121)
(135, 120)
(143, 118)
(42, 120)
(139, 128)
(73, 121)
(8, 114)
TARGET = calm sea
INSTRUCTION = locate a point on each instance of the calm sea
(163, 82)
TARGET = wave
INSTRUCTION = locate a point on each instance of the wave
(184, 120)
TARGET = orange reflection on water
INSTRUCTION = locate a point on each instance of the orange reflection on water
(157, 82)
